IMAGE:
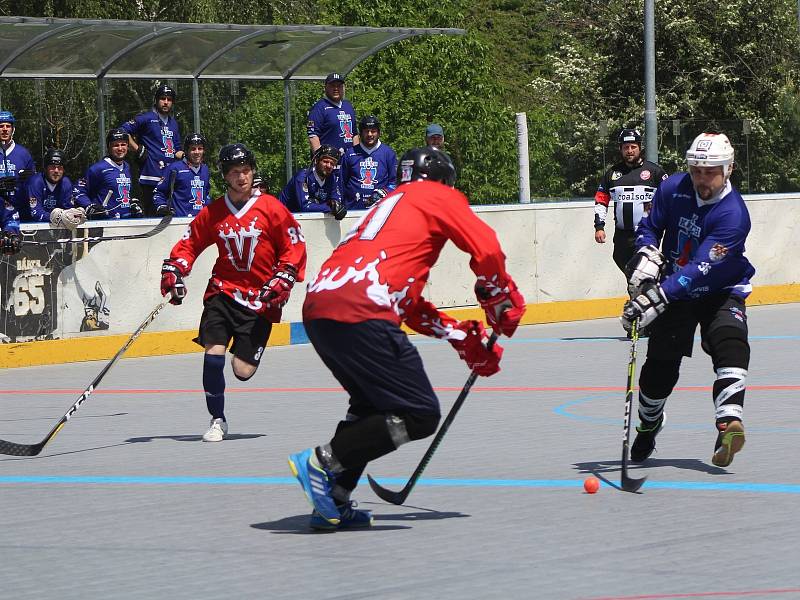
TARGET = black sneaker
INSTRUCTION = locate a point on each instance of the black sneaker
(730, 440)
(645, 441)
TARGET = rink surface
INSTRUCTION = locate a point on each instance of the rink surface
(127, 502)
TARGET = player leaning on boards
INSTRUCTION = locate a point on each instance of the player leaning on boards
(50, 194)
(370, 285)
(701, 222)
(261, 254)
(191, 186)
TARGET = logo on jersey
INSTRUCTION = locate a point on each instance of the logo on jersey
(368, 172)
(717, 252)
(124, 190)
(197, 193)
(615, 175)
(241, 244)
(345, 126)
(644, 175)
(688, 240)
(168, 146)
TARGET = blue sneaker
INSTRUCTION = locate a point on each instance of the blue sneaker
(316, 483)
(349, 518)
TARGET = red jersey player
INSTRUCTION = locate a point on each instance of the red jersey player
(370, 285)
(262, 254)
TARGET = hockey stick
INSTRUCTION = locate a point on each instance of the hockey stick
(630, 484)
(160, 226)
(15, 449)
(400, 497)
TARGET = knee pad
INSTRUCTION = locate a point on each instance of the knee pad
(659, 377)
(728, 347)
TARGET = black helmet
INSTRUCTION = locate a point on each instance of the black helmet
(164, 90)
(327, 150)
(53, 156)
(194, 139)
(116, 135)
(369, 122)
(428, 163)
(235, 154)
(629, 136)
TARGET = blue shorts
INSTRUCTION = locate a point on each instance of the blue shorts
(377, 365)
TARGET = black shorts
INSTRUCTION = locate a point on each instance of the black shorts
(377, 365)
(224, 319)
(672, 333)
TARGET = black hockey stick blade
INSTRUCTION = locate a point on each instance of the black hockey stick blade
(400, 497)
(15, 449)
(628, 483)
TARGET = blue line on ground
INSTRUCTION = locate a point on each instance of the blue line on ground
(761, 488)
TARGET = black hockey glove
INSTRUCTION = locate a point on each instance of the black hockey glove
(650, 303)
(376, 195)
(135, 209)
(172, 282)
(647, 264)
(162, 210)
(8, 184)
(95, 212)
(24, 174)
(338, 209)
(10, 242)
(141, 155)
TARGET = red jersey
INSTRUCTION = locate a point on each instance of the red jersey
(381, 266)
(253, 241)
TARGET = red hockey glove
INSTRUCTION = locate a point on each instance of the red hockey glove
(276, 291)
(469, 338)
(504, 306)
(172, 282)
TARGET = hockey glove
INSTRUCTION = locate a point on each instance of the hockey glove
(67, 218)
(10, 242)
(650, 303)
(469, 338)
(172, 282)
(135, 211)
(338, 209)
(376, 195)
(162, 210)
(647, 264)
(276, 291)
(141, 155)
(504, 306)
(95, 212)
(8, 184)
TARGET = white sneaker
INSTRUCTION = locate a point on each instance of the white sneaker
(216, 432)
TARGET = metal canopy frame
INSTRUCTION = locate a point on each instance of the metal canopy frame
(48, 48)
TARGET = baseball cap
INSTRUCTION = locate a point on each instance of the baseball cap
(434, 129)
(334, 77)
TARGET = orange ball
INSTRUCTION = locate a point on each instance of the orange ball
(591, 485)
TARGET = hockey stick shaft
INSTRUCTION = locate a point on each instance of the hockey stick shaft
(628, 483)
(15, 449)
(400, 497)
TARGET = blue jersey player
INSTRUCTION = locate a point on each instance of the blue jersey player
(50, 194)
(155, 138)
(332, 119)
(369, 169)
(703, 277)
(192, 188)
(317, 188)
(16, 165)
(104, 192)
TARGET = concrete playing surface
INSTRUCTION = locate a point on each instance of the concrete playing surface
(127, 502)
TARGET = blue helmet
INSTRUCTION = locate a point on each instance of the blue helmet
(6, 117)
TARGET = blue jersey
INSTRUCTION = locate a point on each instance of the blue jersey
(101, 178)
(13, 162)
(332, 123)
(703, 243)
(43, 196)
(304, 192)
(191, 192)
(162, 138)
(365, 170)
(9, 217)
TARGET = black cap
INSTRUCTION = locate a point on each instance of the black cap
(334, 77)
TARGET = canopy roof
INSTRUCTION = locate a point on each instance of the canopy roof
(91, 49)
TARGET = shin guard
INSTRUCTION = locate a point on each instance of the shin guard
(214, 384)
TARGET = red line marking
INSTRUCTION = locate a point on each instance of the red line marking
(700, 595)
(319, 390)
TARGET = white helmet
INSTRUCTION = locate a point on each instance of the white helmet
(711, 150)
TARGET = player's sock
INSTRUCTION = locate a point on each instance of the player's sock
(214, 384)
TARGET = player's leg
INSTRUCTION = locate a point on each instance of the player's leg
(146, 200)
(724, 338)
(214, 335)
(381, 369)
(624, 247)
(250, 337)
(670, 340)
